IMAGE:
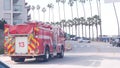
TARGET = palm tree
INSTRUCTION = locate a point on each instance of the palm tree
(85, 24)
(75, 23)
(38, 8)
(49, 6)
(100, 17)
(82, 20)
(52, 7)
(63, 2)
(33, 8)
(118, 26)
(90, 7)
(96, 21)
(83, 2)
(71, 2)
(43, 10)
(92, 24)
(69, 24)
(77, 8)
(89, 20)
(79, 23)
(63, 23)
(77, 14)
(58, 1)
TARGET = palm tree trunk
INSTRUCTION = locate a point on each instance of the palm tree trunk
(64, 11)
(44, 16)
(79, 30)
(33, 15)
(59, 11)
(77, 9)
(72, 18)
(84, 15)
(89, 31)
(91, 16)
(77, 17)
(64, 14)
(96, 31)
(63, 26)
(84, 10)
(116, 18)
(90, 7)
(92, 32)
(100, 30)
(100, 18)
(85, 31)
(97, 6)
(76, 29)
(38, 15)
(49, 14)
(53, 15)
(69, 29)
(82, 30)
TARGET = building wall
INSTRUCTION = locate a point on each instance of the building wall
(17, 12)
(1, 9)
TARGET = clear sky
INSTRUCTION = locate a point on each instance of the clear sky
(109, 24)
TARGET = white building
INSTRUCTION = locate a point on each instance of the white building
(13, 11)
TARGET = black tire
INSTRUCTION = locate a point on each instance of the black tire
(47, 54)
(61, 54)
(18, 59)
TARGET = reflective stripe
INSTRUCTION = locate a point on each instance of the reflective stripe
(6, 30)
(9, 46)
(12, 50)
(32, 45)
(7, 41)
(29, 48)
(35, 41)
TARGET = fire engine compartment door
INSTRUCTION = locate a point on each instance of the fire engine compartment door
(21, 45)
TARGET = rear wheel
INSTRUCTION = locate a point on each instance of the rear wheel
(47, 54)
(61, 54)
(18, 59)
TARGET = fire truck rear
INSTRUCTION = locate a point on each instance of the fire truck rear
(33, 40)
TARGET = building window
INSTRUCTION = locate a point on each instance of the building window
(7, 4)
(7, 15)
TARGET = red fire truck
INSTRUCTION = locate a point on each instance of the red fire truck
(33, 40)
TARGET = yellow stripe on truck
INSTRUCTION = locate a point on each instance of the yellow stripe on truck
(33, 45)
(12, 50)
(35, 41)
(7, 41)
(9, 46)
(29, 48)
(30, 37)
(6, 30)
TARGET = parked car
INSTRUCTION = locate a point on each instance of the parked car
(116, 42)
(85, 40)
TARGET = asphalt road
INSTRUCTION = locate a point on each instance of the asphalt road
(82, 55)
